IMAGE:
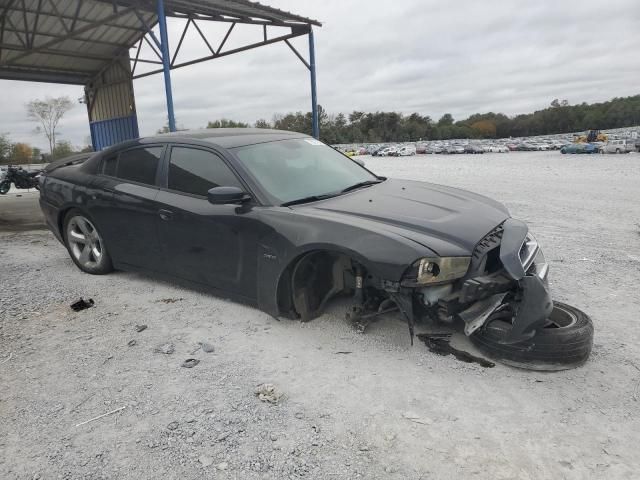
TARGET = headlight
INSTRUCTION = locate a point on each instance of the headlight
(433, 270)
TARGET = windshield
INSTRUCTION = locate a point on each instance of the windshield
(291, 170)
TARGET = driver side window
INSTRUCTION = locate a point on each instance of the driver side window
(195, 171)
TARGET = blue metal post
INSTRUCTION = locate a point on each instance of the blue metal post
(315, 125)
(166, 64)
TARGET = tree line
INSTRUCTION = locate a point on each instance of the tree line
(22, 153)
(361, 127)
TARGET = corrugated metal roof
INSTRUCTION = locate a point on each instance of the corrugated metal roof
(71, 41)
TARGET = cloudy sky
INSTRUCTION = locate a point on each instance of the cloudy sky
(427, 56)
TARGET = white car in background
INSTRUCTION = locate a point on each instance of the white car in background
(618, 146)
(406, 151)
(498, 149)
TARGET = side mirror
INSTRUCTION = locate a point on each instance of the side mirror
(358, 161)
(227, 195)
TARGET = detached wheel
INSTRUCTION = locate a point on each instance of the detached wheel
(564, 342)
(85, 244)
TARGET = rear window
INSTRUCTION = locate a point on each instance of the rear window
(139, 165)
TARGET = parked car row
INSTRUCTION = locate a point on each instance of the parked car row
(611, 141)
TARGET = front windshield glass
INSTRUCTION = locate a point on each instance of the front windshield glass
(290, 170)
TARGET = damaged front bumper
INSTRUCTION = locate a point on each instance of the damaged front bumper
(518, 289)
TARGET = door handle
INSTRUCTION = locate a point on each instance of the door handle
(165, 215)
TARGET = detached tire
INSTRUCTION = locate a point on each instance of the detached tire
(565, 342)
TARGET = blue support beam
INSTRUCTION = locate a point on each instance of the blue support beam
(166, 64)
(315, 125)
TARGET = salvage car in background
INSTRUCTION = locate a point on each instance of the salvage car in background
(579, 148)
(285, 222)
(618, 146)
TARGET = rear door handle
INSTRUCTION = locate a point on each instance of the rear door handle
(165, 214)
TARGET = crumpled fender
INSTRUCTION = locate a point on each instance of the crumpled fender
(514, 234)
(535, 305)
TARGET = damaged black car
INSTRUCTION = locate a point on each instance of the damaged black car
(285, 222)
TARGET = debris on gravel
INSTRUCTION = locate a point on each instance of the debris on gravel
(190, 362)
(173, 425)
(207, 347)
(166, 348)
(268, 392)
(170, 300)
(82, 304)
(132, 343)
(140, 328)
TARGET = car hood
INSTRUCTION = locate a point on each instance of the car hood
(446, 220)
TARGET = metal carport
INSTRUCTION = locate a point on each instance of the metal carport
(88, 42)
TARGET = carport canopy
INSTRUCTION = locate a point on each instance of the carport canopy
(76, 41)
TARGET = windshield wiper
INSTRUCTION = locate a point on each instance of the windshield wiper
(366, 183)
(312, 198)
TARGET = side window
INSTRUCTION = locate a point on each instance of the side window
(196, 171)
(139, 164)
(109, 165)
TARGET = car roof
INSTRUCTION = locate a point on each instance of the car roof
(228, 137)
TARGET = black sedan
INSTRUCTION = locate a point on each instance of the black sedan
(285, 222)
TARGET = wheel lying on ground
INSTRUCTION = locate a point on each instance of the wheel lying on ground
(85, 244)
(564, 342)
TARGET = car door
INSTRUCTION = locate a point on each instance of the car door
(124, 205)
(205, 243)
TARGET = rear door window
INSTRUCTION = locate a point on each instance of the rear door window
(110, 165)
(195, 171)
(139, 164)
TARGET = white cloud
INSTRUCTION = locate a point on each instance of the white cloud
(411, 55)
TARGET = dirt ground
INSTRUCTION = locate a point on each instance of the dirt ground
(354, 406)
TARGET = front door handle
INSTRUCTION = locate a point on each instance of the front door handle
(165, 215)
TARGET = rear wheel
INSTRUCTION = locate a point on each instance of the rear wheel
(564, 342)
(4, 187)
(85, 244)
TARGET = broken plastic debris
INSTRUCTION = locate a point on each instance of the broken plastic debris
(140, 328)
(82, 304)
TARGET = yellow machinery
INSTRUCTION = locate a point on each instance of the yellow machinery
(592, 136)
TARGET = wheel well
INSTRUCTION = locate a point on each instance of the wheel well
(62, 215)
(311, 280)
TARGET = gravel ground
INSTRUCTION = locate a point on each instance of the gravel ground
(384, 410)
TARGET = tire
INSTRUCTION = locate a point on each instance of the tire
(85, 244)
(564, 343)
(618, 150)
(4, 187)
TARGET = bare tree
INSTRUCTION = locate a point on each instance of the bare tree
(49, 112)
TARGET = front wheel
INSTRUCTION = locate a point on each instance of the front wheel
(564, 342)
(4, 187)
(85, 244)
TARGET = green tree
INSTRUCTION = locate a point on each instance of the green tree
(262, 123)
(5, 148)
(225, 123)
(62, 149)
